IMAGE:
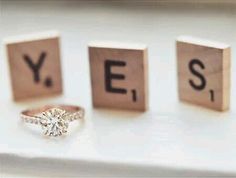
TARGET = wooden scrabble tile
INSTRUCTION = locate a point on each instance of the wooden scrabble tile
(119, 75)
(204, 72)
(34, 62)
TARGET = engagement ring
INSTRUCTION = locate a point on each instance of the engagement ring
(54, 119)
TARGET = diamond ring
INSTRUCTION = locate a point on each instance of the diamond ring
(54, 119)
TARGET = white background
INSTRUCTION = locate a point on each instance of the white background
(171, 139)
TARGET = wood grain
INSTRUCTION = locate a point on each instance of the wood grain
(131, 64)
(204, 73)
(42, 55)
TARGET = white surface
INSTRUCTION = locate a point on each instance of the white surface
(119, 45)
(32, 36)
(171, 139)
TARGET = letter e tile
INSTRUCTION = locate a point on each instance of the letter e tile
(119, 75)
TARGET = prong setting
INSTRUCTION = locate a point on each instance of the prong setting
(53, 119)
(53, 122)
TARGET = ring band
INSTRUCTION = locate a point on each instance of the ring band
(54, 119)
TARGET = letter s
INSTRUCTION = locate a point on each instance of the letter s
(202, 85)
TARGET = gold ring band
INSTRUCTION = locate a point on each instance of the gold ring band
(54, 119)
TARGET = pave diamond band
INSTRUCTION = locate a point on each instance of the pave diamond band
(54, 119)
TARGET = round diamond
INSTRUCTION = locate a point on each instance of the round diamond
(53, 122)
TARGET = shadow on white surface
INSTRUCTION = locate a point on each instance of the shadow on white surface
(171, 139)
